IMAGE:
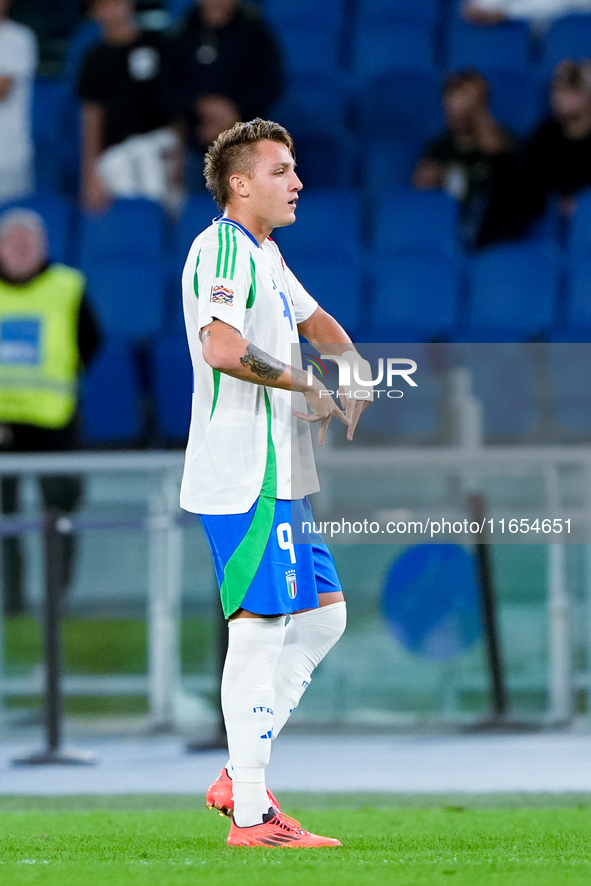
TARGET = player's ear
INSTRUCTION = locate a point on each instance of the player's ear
(239, 183)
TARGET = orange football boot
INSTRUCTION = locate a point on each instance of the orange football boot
(280, 830)
(219, 795)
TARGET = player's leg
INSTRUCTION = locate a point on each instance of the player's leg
(253, 651)
(310, 634)
(248, 698)
(253, 588)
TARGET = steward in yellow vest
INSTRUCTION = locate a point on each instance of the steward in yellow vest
(47, 335)
(39, 357)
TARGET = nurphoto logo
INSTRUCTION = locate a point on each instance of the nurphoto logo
(362, 385)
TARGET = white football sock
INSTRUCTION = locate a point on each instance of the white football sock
(308, 637)
(248, 697)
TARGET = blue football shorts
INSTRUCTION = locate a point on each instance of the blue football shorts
(258, 566)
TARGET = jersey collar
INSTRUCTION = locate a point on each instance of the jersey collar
(222, 220)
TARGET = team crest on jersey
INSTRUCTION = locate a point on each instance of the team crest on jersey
(222, 295)
(290, 578)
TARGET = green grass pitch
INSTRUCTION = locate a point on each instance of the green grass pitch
(407, 841)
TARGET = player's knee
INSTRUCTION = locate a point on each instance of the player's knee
(322, 628)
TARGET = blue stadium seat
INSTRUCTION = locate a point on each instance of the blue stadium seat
(281, 14)
(336, 284)
(579, 238)
(401, 10)
(310, 46)
(122, 255)
(517, 99)
(81, 41)
(54, 150)
(415, 294)
(327, 227)
(506, 46)
(578, 306)
(312, 104)
(414, 219)
(400, 104)
(567, 38)
(385, 44)
(513, 292)
(388, 163)
(416, 416)
(503, 380)
(110, 402)
(326, 159)
(173, 385)
(570, 375)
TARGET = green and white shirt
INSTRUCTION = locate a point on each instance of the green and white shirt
(243, 439)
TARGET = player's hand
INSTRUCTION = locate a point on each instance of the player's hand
(323, 409)
(353, 409)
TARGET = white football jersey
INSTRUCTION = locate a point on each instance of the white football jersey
(243, 439)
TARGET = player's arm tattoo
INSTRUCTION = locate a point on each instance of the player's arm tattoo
(262, 364)
(203, 334)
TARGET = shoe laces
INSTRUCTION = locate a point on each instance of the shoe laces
(286, 822)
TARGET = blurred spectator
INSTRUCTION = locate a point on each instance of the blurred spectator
(18, 61)
(225, 66)
(47, 333)
(554, 162)
(129, 148)
(539, 12)
(467, 159)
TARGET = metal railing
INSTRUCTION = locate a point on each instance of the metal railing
(163, 525)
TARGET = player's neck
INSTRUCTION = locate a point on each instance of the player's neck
(255, 226)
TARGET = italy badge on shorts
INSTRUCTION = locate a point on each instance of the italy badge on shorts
(258, 566)
(292, 585)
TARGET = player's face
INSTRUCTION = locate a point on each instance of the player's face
(274, 186)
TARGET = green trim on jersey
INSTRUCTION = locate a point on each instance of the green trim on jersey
(252, 292)
(216, 391)
(243, 565)
(269, 486)
(227, 252)
(195, 277)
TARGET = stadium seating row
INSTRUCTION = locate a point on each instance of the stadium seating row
(529, 393)
(404, 275)
(382, 36)
(354, 74)
(113, 397)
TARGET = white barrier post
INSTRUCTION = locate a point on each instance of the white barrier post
(560, 639)
(164, 591)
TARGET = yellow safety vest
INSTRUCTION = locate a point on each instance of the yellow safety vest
(39, 357)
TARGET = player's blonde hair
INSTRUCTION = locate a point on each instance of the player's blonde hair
(234, 151)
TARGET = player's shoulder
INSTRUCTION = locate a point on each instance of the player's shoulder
(224, 249)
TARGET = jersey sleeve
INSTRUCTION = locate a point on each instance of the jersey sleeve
(303, 303)
(224, 279)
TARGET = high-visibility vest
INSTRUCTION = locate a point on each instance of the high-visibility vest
(39, 358)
